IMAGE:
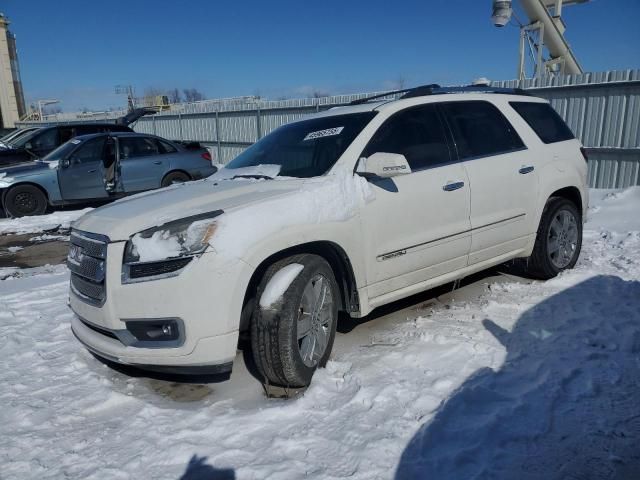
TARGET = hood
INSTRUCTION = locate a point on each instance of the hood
(26, 168)
(131, 215)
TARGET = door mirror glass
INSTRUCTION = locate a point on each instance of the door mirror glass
(64, 163)
(383, 165)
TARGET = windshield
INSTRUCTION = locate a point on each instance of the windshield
(22, 140)
(14, 136)
(305, 149)
(62, 151)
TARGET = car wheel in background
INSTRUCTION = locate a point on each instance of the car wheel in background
(294, 336)
(25, 200)
(558, 241)
(175, 177)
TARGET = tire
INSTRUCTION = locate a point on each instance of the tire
(558, 244)
(175, 177)
(281, 357)
(25, 200)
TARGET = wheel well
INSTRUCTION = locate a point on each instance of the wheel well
(333, 254)
(572, 194)
(177, 171)
(39, 187)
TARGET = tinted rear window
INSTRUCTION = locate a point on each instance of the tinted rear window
(480, 130)
(544, 120)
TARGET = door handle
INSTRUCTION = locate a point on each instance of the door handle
(525, 170)
(157, 162)
(450, 187)
(92, 171)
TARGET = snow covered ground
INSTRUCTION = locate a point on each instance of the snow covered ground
(523, 380)
(58, 219)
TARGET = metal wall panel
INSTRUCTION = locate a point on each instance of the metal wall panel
(602, 109)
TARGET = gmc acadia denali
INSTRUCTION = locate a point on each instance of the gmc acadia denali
(346, 210)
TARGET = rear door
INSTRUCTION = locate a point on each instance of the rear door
(83, 178)
(502, 174)
(141, 163)
(418, 224)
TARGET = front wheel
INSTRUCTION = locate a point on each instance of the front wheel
(293, 336)
(175, 177)
(558, 241)
(25, 200)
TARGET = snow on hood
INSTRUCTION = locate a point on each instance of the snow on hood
(270, 171)
(131, 215)
(253, 208)
(332, 198)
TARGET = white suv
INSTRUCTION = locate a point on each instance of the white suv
(346, 210)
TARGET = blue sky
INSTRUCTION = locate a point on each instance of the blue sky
(77, 51)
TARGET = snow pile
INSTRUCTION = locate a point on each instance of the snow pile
(521, 380)
(279, 284)
(35, 224)
(332, 198)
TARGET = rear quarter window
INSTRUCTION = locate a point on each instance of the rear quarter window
(544, 120)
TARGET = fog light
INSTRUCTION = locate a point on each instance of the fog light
(163, 330)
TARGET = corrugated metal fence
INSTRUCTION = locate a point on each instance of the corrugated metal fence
(602, 108)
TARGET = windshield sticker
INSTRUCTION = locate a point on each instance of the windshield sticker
(75, 142)
(323, 133)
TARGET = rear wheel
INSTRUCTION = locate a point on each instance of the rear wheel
(294, 336)
(558, 241)
(175, 177)
(25, 200)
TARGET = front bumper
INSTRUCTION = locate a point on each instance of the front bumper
(206, 296)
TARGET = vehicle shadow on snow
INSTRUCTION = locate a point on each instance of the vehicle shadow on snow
(198, 469)
(563, 405)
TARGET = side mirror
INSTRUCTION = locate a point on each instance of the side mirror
(383, 165)
(28, 146)
(64, 163)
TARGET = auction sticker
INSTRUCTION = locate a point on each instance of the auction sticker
(323, 133)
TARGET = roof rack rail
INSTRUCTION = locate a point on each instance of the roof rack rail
(438, 90)
(435, 89)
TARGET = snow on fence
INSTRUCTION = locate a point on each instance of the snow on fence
(602, 108)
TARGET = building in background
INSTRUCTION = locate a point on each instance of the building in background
(12, 106)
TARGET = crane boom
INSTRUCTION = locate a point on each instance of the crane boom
(553, 29)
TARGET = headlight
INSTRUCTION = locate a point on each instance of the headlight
(168, 248)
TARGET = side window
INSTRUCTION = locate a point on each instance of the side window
(133, 147)
(165, 147)
(479, 129)
(543, 120)
(47, 140)
(67, 133)
(416, 133)
(90, 151)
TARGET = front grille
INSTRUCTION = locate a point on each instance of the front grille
(87, 263)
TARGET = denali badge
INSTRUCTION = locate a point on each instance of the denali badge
(387, 256)
(394, 168)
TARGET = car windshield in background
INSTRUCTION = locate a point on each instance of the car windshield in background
(305, 149)
(62, 151)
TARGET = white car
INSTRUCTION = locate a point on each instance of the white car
(346, 210)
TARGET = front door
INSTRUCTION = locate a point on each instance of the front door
(502, 175)
(83, 178)
(418, 224)
(141, 164)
